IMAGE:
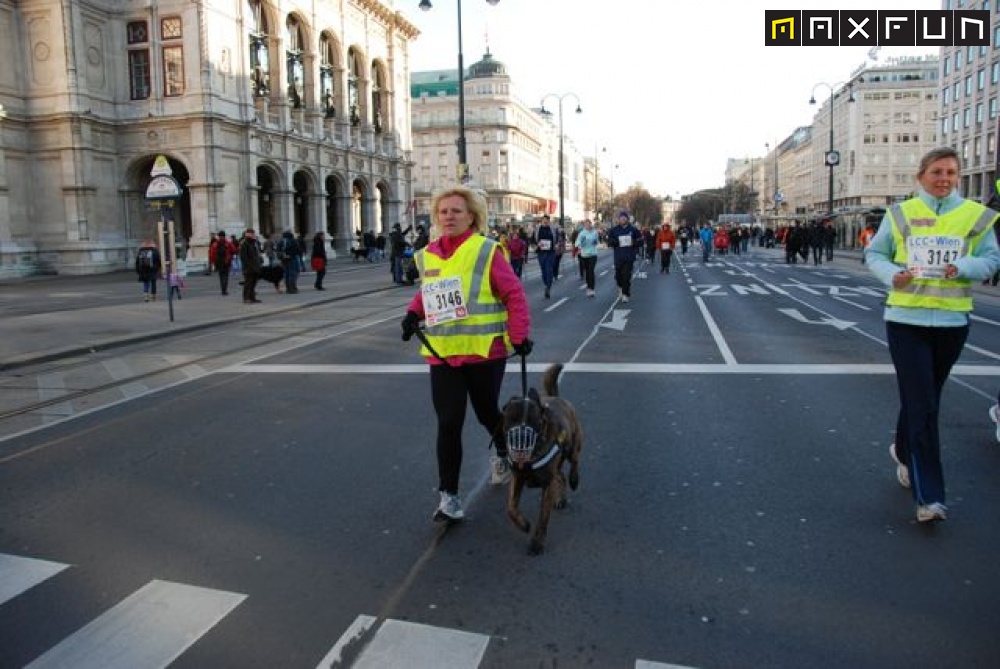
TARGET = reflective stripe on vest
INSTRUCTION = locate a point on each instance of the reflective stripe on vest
(487, 317)
(947, 294)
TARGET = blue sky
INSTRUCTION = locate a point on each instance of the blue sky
(670, 89)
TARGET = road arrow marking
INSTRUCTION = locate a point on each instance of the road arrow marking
(618, 319)
(835, 322)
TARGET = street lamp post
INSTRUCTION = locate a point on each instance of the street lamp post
(463, 166)
(560, 98)
(777, 192)
(832, 158)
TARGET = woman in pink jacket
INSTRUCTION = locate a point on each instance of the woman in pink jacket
(475, 313)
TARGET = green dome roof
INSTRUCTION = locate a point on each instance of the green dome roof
(487, 67)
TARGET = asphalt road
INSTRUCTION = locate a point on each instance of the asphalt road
(737, 505)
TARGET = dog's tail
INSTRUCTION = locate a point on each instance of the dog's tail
(550, 382)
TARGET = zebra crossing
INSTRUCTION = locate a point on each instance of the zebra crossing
(156, 624)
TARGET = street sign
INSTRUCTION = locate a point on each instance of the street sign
(163, 187)
(161, 167)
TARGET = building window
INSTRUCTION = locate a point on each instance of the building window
(979, 112)
(171, 28)
(353, 83)
(993, 108)
(138, 74)
(173, 70)
(260, 62)
(293, 61)
(326, 91)
(378, 96)
(137, 33)
(981, 80)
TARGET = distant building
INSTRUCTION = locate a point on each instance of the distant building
(880, 137)
(512, 149)
(969, 87)
(272, 115)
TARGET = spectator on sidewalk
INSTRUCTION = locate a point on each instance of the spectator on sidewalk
(317, 259)
(290, 254)
(147, 266)
(221, 254)
(252, 263)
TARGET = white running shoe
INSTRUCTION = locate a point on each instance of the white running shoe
(590, 293)
(499, 470)
(449, 509)
(624, 298)
(995, 415)
(902, 471)
(930, 512)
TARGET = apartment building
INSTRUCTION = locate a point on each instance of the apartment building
(884, 116)
(968, 87)
(272, 114)
(512, 148)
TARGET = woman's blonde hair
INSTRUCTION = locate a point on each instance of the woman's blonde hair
(937, 154)
(474, 200)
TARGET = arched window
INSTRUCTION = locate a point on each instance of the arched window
(260, 76)
(326, 76)
(293, 62)
(353, 84)
(377, 96)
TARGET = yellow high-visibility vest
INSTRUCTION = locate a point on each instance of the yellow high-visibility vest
(970, 221)
(486, 317)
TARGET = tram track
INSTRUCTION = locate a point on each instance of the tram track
(210, 360)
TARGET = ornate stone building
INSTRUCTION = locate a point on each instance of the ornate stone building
(273, 114)
(512, 147)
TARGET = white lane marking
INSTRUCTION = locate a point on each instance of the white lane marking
(619, 319)
(556, 304)
(18, 574)
(411, 645)
(853, 304)
(148, 629)
(720, 341)
(983, 320)
(791, 369)
(357, 628)
(982, 351)
(646, 664)
(835, 322)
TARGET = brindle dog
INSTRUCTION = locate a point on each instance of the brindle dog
(543, 432)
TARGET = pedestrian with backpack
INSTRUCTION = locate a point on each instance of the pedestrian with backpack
(147, 267)
(290, 254)
(222, 254)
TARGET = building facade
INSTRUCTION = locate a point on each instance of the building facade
(969, 88)
(884, 118)
(272, 114)
(512, 148)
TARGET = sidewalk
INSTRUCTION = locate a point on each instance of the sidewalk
(52, 317)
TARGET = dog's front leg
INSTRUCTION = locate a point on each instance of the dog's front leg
(549, 497)
(514, 501)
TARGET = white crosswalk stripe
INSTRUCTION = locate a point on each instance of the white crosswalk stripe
(404, 644)
(148, 629)
(18, 574)
(157, 623)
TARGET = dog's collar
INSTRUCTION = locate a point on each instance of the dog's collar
(543, 461)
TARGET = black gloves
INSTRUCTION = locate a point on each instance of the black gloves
(411, 323)
(524, 347)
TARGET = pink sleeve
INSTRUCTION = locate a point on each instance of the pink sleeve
(417, 305)
(510, 291)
